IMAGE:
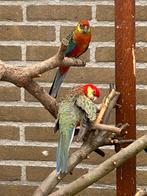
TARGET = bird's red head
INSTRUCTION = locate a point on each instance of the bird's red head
(84, 22)
(83, 26)
(91, 90)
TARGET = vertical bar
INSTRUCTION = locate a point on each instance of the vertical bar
(126, 85)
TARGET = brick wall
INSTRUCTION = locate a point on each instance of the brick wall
(31, 31)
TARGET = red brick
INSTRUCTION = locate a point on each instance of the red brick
(141, 178)
(39, 53)
(102, 34)
(142, 159)
(105, 12)
(16, 190)
(106, 54)
(141, 96)
(141, 76)
(9, 132)
(141, 34)
(10, 94)
(42, 134)
(10, 53)
(26, 153)
(141, 54)
(141, 13)
(58, 12)
(11, 13)
(141, 116)
(24, 114)
(10, 173)
(23, 32)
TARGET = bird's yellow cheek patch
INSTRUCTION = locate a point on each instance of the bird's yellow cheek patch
(90, 92)
(78, 28)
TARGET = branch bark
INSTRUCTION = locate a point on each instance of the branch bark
(23, 76)
(109, 128)
(103, 169)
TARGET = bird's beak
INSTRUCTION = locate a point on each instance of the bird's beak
(85, 29)
(94, 98)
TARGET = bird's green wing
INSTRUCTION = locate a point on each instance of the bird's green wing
(88, 106)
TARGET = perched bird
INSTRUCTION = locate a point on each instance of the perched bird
(71, 112)
(78, 43)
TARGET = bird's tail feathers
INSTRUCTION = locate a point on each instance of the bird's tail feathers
(56, 84)
(63, 153)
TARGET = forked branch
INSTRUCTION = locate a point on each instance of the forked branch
(23, 76)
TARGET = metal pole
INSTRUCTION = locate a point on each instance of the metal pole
(126, 84)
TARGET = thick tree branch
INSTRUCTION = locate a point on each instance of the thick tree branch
(103, 169)
(43, 97)
(93, 141)
(23, 76)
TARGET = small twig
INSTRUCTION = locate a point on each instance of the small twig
(117, 141)
(100, 152)
(109, 128)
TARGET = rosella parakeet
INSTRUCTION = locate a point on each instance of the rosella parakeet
(71, 112)
(79, 41)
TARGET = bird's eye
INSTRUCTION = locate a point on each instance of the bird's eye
(81, 26)
(94, 91)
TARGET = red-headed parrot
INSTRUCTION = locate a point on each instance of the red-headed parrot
(71, 112)
(79, 41)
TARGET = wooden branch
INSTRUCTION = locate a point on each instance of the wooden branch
(35, 70)
(115, 141)
(109, 128)
(141, 192)
(91, 144)
(103, 169)
(23, 76)
(43, 97)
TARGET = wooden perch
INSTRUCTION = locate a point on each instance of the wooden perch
(141, 192)
(115, 141)
(109, 128)
(103, 169)
(23, 76)
(93, 141)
